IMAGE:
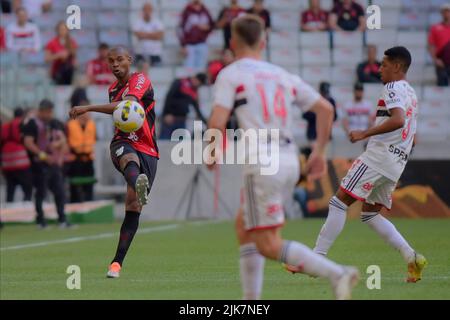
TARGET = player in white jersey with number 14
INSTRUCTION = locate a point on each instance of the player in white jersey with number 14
(373, 176)
(262, 96)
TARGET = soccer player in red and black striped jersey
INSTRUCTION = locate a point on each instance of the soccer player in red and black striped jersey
(134, 154)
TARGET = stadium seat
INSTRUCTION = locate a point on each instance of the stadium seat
(283, 39)
(28, 94)
(171, 19)
(137, 4)
(163, 75)
(347, 39)
(215, 39)
(420, 5)
(314, 40)
(62, 95)
(341, 93)
(84, 55)
(413, 20)
(83, 4)
(434, 109)
(97, 94)
(285, 57)
(171, 56)
(171, 38)
(434, 17)
(390, 19)
(31, 75)
(412, 38)
(32, 58)
(46, 36)
(160, 97)
(383, 39)
(8, 59)
(347, 56)
(315, 74)
(89, 19)
(372, 91)
(113, 19)
(183, 72)
(388, 4)
(289, 5)
(433, 93)
(6, 19)
(415, 74)
(344, 75)
(433, 129)
(49, 20)
(315, 56)
(419, 56)
(114, 38)
(429, 75)
(285, 20)
(115, 4)
(174, 4)
(85, 37)
(436, 4)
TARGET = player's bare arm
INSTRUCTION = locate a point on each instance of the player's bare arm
(395, 121)
(317, 165)
(102, 108)
(218, 120)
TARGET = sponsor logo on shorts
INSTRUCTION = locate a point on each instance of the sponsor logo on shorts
(273, 209)
(367, 186)
(398, 152)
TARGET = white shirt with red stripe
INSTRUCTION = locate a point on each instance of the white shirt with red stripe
(23, 37)
(388, 153)
(262, 95)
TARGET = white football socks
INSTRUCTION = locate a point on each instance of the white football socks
(309, 262)
(251, 264)
(388, 232)
(332, 227)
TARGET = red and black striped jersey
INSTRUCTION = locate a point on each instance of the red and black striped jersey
(140, 87)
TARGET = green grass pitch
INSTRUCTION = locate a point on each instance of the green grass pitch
(173, 260)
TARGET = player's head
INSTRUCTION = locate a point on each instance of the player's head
(395, 64)
(358, 91)
(247, 33)
(445, 12)
(200, 79)
(45, 110)
(21, 15)
(119, 60)
(103, 50)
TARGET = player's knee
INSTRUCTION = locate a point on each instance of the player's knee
(268, 249)
(133, 205)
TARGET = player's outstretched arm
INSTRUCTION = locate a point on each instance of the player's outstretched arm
(395, 121)
(102, 108)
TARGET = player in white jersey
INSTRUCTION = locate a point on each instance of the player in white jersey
(374, 175)
(262, 96)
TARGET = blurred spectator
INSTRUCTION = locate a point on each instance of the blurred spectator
(15, 161)
(46, 143)
(369, 70)
(439, 46)
(315, 18)
(6, 6)
(359, 113)
(196, 24)
(182, 94)
(259, 9)
(98, 70)
(34, 7)
(23, 35)
(2, 39)
(61, 52)
(347, 15)
(226, 15)
(215, 66)
(149, 32)
(81, 137)
(310, 117)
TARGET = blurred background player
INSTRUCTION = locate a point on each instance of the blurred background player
(23, 35)
(134, 154)
(97, 69)
(262, 96)
(369, 70)
(45, 140)
(439, 46)
(373, 176)
(314, 18)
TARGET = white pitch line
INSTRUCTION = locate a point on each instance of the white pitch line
(96, 237)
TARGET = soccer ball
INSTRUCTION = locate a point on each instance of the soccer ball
(128, 116)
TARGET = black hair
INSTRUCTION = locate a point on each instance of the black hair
(358, 86)
(46, 104)
(202, 77)
(18, 112)
(103, 46)
(399, 54)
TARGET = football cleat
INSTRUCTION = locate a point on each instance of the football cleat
(142, 187)
(114, 270)
(415, 268)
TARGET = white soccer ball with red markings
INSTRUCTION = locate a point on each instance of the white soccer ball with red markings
(129, 116)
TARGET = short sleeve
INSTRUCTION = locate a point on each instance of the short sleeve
(30, 129)
(393, 96)
(139, 84)
(305, 95)
(224, 90)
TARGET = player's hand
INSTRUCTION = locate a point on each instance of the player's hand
(439, 63)
(77, 111)
(357, 135)
(317, 166)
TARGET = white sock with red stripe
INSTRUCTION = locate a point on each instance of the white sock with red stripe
(309, 262)
(337, 213)
(251, 264)
(388, 232)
